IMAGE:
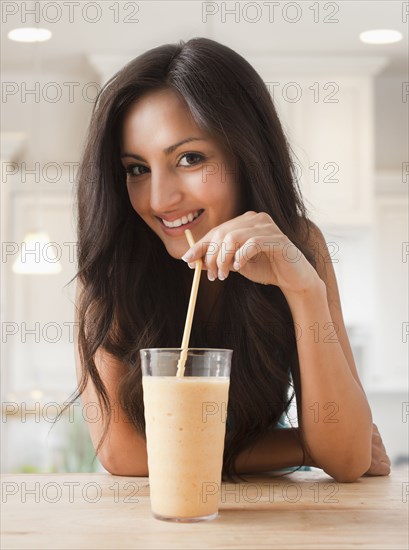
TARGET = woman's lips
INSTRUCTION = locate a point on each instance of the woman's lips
(177, 231)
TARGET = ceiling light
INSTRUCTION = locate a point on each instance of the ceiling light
(29, 34)
(380, 36)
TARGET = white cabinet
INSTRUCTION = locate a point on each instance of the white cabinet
(38, 315)
(37, 354)
(390, 358)
(334, 143)
(327, 113)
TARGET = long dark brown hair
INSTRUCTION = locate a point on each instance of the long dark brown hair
(135, 295)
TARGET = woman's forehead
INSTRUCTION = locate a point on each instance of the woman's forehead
(159, 117)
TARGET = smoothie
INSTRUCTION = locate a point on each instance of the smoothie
(185, 429)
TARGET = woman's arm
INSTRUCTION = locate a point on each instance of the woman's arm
(278, 449)
(341, 443)
(336, 417)
(123, 451)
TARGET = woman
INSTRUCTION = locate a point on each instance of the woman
(188, 134)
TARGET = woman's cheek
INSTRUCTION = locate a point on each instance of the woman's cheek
(204, 182)
(217, 188)
(213, 173)
(135, 198)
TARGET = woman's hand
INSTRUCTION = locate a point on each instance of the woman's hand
(380, 464)
(264, 254)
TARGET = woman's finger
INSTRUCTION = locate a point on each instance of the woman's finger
(216, 235)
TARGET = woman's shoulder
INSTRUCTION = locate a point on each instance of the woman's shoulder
(314, 240)
(309, 231)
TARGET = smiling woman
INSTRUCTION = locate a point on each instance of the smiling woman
(187, 136)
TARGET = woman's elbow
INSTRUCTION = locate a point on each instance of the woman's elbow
(119, 468)
(351, 472)
(347, 477)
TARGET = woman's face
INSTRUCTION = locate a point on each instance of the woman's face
(170, 180)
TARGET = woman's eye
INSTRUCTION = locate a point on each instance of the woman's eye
(191, 159)
(135, 170)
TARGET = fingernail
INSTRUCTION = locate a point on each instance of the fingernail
(188, 256)
(221, 275)
(192, 266)
(236, 265)
(210, 276)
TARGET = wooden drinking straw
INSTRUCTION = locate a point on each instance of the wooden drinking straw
(190, 309)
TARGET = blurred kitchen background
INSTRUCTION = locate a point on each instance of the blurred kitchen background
(344, 106)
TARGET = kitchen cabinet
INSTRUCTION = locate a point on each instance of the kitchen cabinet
(390, 351)
(326, 109)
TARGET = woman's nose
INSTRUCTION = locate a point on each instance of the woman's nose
(165, 192)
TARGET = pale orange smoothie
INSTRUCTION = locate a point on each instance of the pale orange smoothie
(185, 430)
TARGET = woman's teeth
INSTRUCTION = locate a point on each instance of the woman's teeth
(183, 221)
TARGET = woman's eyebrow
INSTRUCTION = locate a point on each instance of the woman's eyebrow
(168, 150)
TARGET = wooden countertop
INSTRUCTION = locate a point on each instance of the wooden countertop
(306, 510)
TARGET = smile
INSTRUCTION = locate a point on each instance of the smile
(182, 221)
(177, 227)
